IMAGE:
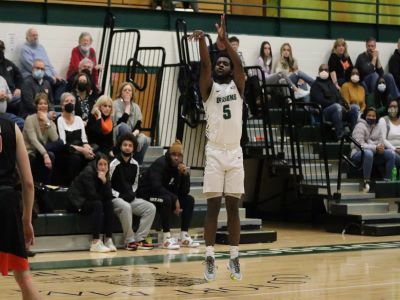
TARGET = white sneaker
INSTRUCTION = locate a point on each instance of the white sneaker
(300, 93)
(110, 245)
(187, 241)
(99, 247)
(170, 244)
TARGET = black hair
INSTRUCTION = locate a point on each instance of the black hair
(88, 81)
(370, 39)
(262, 52)
(127, 137)
(224, 54)
(367, 110)
(233, 39)
(99, 156)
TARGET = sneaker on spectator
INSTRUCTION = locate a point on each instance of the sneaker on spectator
(234, 269)
(143, 245)
(132, 246)
(170, 244)
(187, 241)
(210, 273)
(300, 93)
(366, 186)
(110, 245)
(99, 247)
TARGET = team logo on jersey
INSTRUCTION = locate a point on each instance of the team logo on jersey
(226, 98)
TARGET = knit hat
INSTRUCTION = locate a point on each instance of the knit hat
(176, 147)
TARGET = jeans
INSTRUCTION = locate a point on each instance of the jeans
(387, 158)
(333, 113)
(352, 115)
(296, 76)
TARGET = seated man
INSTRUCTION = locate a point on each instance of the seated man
(124, 172)
(34, 84)
(167, 184)
(10, 72)
(31, 51)
(370, 68)
(324, 92)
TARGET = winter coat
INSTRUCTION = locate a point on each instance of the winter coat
(367, 136)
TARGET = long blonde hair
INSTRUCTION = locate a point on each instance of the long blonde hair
(287, 63)
(103, 100)
(340, 42)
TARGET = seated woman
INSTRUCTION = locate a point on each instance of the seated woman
(390, 126)
(84, 95)
(354, 94)
(100, 126)
(41, 140)
(127, 117)
(71, 130)
(90, 194)
(84, 50)
(379, 98)
(371, 139)
(287, 65)
(340, 64)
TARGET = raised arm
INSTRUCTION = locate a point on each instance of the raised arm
(238, 72)
(205, 81)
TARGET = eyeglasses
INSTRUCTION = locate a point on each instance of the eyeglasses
(37, 68)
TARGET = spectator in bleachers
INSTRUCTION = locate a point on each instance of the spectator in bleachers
(394, 65)
(71, 130)
(325, 93)
(32, 85)
(340, 64)
(11, 73)
(5, 97)
(127, 117)
(41, 140)
(167, 184)
(287, 65)
(100, 126)
(234, 41)
(124, 173)
(354, 94)
(379, 98)
(32, 51)
(369, 65)
(84, 95)
(85, 66)
(90, 194)
(84, 50)
(390, 126)
(371, 139)
(264, 61)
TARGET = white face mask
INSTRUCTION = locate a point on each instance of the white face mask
(355, 78)
(3, 106)
(381, 87)
(323, 75)
(85, 49)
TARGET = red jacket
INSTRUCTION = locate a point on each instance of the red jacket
(76, 57)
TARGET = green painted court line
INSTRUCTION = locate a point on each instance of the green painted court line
(188, 257)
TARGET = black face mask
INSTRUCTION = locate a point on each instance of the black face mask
(82, 86)
(69, 108)
(125, 154)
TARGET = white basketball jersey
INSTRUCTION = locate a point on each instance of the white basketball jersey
(223, 110)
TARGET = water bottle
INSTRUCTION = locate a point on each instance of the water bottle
(394, 174)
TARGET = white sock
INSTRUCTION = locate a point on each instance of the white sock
(166, 235)
(234, 250)
(184, 234)
(210, 251)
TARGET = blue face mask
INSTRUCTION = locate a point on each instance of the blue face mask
(371, 121)
(38, 74)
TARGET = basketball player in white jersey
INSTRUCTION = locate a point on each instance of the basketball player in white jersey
(222, 93)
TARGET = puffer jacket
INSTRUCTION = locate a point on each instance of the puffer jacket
(367, 136)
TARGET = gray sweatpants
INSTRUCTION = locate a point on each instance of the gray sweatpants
(138, 207)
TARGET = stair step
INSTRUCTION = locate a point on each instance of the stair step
(357, 196)
(358, 208)
(155, 151)
(246, 223)
(382, 229)
(379, 216)
(346, 187)
(248, 237)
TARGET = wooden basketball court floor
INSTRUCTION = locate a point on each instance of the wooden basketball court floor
(304, 263)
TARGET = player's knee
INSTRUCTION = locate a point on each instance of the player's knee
(211, 195)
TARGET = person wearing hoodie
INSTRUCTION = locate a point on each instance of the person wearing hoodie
(394, 65)
(167, 184)
(334, 109)
(124, 172)
(371, 139)
(90, 194)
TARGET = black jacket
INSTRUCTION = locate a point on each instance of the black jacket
(11, 74)
(324, 92)
(335, 64)
(88, 187)
(365, 67)
(30, 88)
(162, 180)
(96, 135)
(124, 178)
(394, 66)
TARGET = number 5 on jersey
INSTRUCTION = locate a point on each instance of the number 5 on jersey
(227, 112)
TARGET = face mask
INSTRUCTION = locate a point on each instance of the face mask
(38, 74)
(323, 75)
(381, 87)
(355, 78)
(69, 108)
(371, 121)
(392, 112)
(82, 86)
(3, 106)
(84, 49)
(125, 154)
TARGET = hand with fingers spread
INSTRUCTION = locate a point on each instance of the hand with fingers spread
(221, 29)
(196, 35)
